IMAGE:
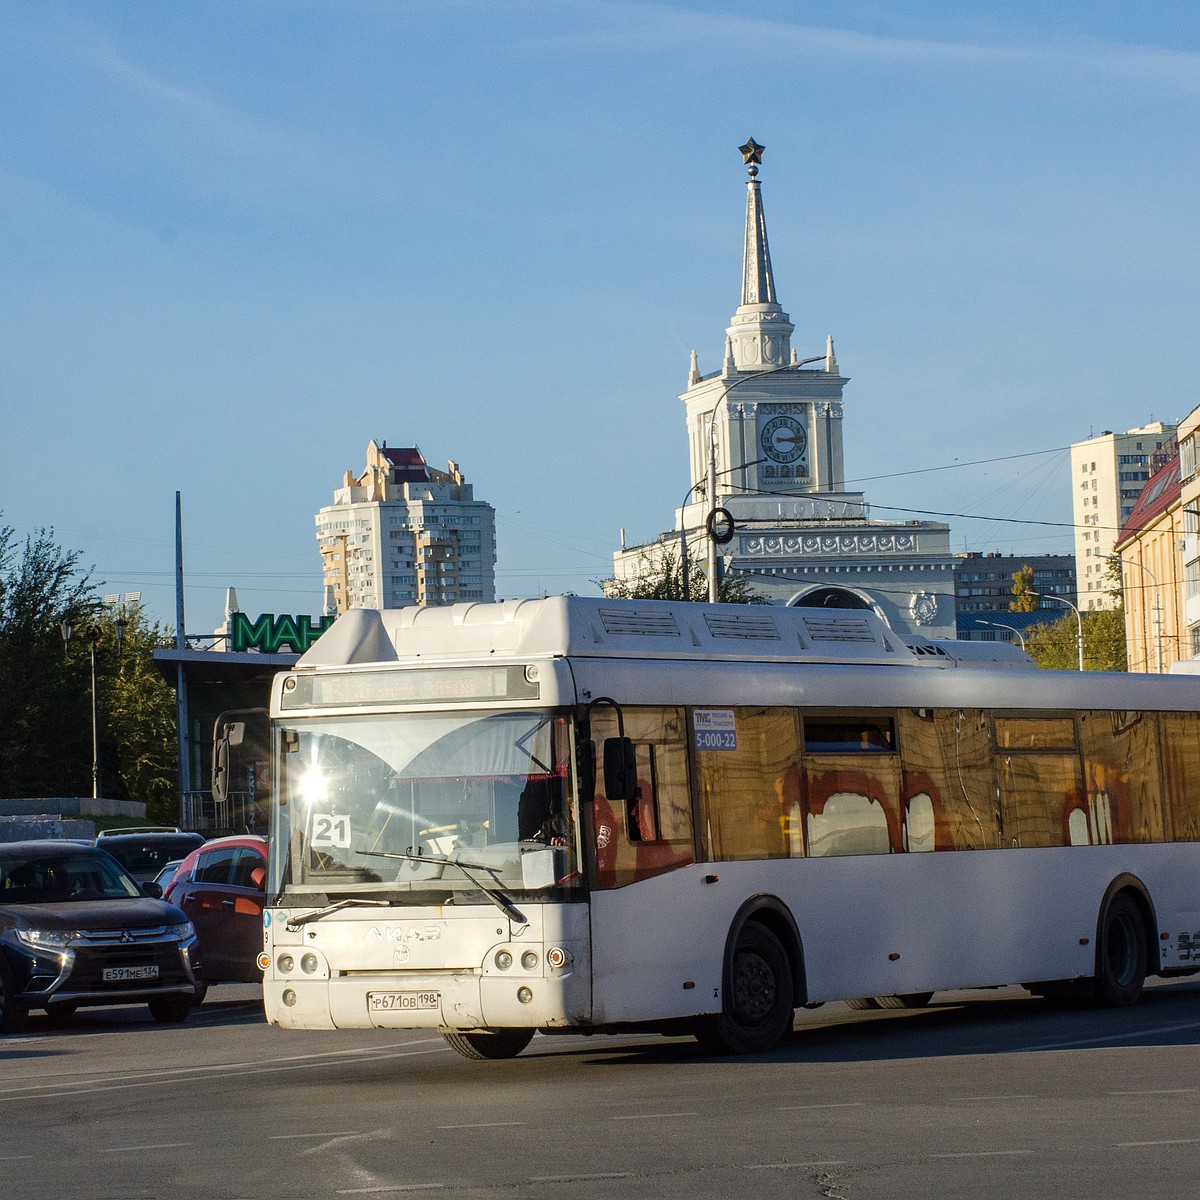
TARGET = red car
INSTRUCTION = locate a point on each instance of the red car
(221, 887)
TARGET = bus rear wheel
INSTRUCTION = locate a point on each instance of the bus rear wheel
(488, 1043)
(758, 1006)
(1121, 953)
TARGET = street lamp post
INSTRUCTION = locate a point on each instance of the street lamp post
(93, 633)
(1078, 619)
(713, 554)
(683, 532)
(1121, 562)
(1010, 628)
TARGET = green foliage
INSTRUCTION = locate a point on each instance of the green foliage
(46, 689)
(661, 578)
(1022, 590)
(44, 707)
(1054, 646)
(142, 716)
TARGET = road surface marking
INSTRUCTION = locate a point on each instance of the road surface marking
(1175, 1142)
(157, 1146)
(982, 1153)
(799, 1107)
(1014, 1096)
(653, 1116)
(333, 1133)
(796, 1166)
(581, 1176)
(1157, 1092)
(210, 1068)
(393, 1187)
(484, 1125)
(1112, 1037)
(225, 1070)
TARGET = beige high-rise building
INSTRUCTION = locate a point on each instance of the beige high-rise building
(404, 533)
(1108, 473)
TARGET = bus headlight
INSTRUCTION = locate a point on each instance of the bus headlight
(503, 959)
(525, 995)
(286, 963)
(529, 960)
(310, 963)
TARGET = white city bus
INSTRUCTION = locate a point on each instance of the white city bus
(602, 815)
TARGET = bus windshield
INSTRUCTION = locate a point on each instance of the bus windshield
(418, 808)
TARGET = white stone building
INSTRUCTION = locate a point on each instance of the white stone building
(404, 533)
(1108, 473)
(767, 426)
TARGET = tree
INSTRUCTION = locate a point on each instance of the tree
(141, 708)
(1054, 646)
(1023, 599)
(45, 686)
(45, 727)
(660, 577)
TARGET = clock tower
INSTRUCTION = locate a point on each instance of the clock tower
(765, 456)
(767, 423)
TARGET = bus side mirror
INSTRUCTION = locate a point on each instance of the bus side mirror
(620, 769)
(228, 733)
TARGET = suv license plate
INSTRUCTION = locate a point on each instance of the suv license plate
(124, 974)
(391, 1001)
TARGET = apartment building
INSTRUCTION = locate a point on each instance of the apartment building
(1108, 473)
(401, 532)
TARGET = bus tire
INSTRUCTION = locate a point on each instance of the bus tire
(908, 1000)
(759, 1000)
(863, 1003)
(1120, 953)
(488, 1043)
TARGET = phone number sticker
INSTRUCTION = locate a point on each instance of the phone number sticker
(715, 729)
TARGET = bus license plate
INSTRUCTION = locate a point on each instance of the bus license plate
(403, 1001)
(125, 974)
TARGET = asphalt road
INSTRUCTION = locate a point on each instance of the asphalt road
(981, 1095)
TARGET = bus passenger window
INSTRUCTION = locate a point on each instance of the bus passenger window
(749, 783)
(1122, 777)
(919, 825)
(862, 733)
(849, 823)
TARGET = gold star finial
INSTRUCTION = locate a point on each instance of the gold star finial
(752, 152)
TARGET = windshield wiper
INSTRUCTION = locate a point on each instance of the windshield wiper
(350, 902)
(493, 892)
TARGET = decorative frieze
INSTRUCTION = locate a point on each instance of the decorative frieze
(781, 545)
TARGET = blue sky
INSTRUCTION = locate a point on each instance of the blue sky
(242, 239)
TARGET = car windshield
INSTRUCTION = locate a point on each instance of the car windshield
(48, 876)
(412, 806)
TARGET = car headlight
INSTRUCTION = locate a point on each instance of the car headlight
(46, 939)
(182, 932)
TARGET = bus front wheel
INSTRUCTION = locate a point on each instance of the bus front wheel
(758, 1006)
(1121, 954)
(488, 1043)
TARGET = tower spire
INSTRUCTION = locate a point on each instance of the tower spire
(758, 281)
(760, 331)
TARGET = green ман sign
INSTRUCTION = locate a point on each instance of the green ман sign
(271, 634)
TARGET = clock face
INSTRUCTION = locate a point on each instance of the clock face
(783, 439)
